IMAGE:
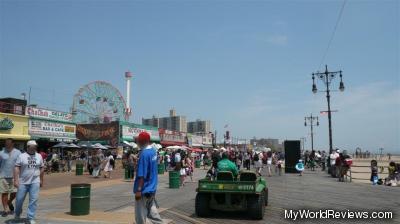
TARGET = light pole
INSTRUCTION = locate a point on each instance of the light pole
(303, 140)
(311, 120)
(327, 78)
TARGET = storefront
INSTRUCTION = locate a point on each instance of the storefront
(50, 127)
(107, 134)
(15, 127)
(130, 131)
(169, 138)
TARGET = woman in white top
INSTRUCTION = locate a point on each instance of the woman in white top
(109, 165)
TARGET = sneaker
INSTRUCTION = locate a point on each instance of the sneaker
(31, 221)
(4, 214)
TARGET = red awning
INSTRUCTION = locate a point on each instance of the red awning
(196, 150)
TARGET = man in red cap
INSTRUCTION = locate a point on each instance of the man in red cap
(146, 180)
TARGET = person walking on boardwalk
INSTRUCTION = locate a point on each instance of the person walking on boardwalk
(8, 157)
(28, 178)
(145, 185)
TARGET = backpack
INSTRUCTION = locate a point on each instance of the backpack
(256, 158)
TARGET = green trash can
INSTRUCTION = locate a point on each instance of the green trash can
(197, 164)
(79, 169)
(127, 174)
(161, 168)
(80, 199)
(208, 162)
(174, 179)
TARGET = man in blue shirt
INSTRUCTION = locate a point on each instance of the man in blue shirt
(146, 180)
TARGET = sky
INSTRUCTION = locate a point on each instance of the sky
(247, 64)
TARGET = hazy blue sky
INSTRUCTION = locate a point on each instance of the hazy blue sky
(243, 63)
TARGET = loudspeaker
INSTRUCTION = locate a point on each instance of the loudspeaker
(292, 155)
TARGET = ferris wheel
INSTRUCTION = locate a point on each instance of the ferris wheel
(98, 102)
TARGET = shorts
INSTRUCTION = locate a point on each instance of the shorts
(7, 186)
(183, 172)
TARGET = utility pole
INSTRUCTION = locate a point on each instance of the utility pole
(311, 120)
(327, 78)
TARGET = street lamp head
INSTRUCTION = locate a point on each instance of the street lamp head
(341, 85)
(314, 88)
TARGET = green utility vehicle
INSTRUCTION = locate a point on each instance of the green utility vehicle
(246, 193)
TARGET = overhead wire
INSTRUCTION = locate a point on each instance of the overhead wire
(333, 34)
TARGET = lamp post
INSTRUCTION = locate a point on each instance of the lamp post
(311, 120)
(303, 140)
(327, 78)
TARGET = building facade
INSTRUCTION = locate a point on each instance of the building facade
(154, 121)
(173, 122)
(267, 142)
(199, 126)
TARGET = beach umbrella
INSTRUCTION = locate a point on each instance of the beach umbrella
(61, 145)
(84, 144)
(174, 147)
(156, 146)
(72, 145)
(99, 146)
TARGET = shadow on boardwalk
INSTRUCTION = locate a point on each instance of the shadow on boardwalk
(313, 191)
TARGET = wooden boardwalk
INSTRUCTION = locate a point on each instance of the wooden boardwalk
(314, 191)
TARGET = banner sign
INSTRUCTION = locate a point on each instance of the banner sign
(172, 137)
(99, 132)
(195, 141)
(130, 132)
(49, 129)
(207, 140)
(48, 114)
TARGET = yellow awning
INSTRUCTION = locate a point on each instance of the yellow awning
(15, 137)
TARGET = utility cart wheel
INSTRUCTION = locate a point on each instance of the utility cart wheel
(266, 196)
(202, 205)
(256, 206)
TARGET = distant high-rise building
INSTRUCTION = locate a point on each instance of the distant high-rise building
(199, 126)
(154, 121)
(173, 122)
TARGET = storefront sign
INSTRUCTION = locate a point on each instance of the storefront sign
(49, 129)
(172, 137)
(98, 132)
(195, 141)
(130, 132)
(48, 114)
(207, 140)
(6, 124)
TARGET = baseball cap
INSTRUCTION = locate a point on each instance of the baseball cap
(143, 137)
(31, 143)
